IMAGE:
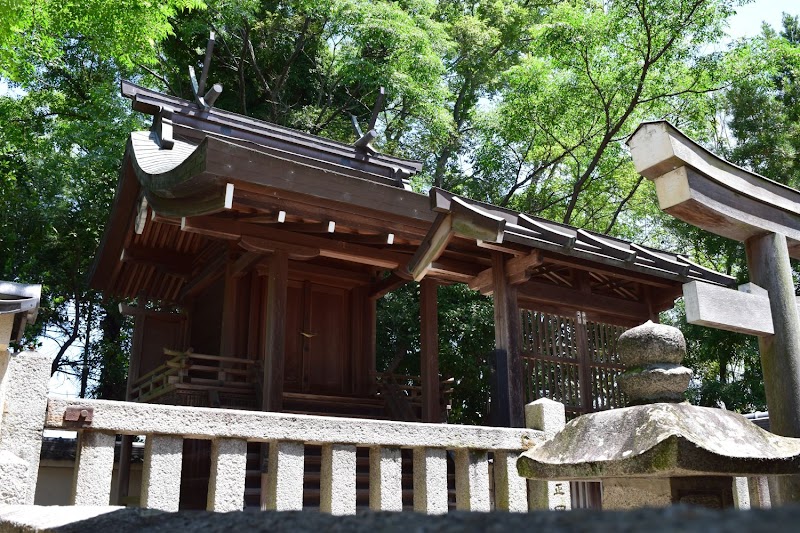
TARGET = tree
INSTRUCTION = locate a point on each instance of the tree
(594, 70)
(60, 146)
(761, 115)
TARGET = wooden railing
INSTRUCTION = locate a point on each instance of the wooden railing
(229, 431)
(192, 371)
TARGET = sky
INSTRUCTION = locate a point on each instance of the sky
(748, 18)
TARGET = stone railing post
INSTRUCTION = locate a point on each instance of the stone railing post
(550, 417)
(24, 379)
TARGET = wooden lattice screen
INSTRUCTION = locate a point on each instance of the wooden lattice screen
(571, 360)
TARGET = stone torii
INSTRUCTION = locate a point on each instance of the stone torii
(711, 193)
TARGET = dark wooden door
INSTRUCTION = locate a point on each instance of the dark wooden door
(317, 339)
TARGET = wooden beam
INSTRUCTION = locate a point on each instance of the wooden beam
(508, 351)
(203, 279)
(327, 226)
(232, 229)
(275, 332)
(266, 246)
(429, 344)
(431, 246)
(385, 239)
(572, 299)
(245, 263)
(306, 207)
(517, 271)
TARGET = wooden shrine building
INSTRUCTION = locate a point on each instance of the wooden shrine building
(256, 254)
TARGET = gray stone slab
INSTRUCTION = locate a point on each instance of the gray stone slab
(661, 440)
(721, 308)
(208, 423)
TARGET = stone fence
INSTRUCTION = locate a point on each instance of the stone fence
(28, 412)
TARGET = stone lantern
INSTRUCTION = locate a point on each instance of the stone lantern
(661, 450)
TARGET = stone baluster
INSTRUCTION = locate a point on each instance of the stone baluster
(472, 480)
(385, 479)
(161, 475)
(228, 471)
(338, 479)
(550, 417)
(430, 480)
(21, 423)
(510, 489)
(285, 471)
(94, 464)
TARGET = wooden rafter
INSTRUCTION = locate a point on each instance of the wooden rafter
(431, 246)
(173, 263)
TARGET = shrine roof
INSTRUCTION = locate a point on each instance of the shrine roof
(186, 116)
(203, 177)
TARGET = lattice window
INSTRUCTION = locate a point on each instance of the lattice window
(571, 360)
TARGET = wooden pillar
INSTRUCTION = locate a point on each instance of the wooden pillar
(429, 332)
(507, 346)
(275, 331)
(228, 339)
(768, 262)
(122, 487)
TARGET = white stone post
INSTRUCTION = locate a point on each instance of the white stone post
(338, 479)
(472, 480)
(550, 417)
(385, 479)
(285, 470)
(510, 489)
(94, 464)
(161, 474)
(228, 472)
(741, 493)
(430, 480)
(25, 381)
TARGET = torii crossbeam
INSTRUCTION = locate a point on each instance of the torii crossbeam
(711, 193)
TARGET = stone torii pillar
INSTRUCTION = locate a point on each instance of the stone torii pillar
(711, 193)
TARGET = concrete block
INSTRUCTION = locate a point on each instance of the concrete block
(27, 377)
(161, 475)
(545, 415)
(285, 476)
(510, 489)
(14, 476)
(338, 479)
(385, 479)
(94, 465)
(228, 472)
(472, 481)
(430, 480)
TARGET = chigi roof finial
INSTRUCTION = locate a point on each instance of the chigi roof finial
(364, 142)
(205, 99)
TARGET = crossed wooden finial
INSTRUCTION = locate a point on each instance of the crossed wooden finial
(364, 142)
(205, 101)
